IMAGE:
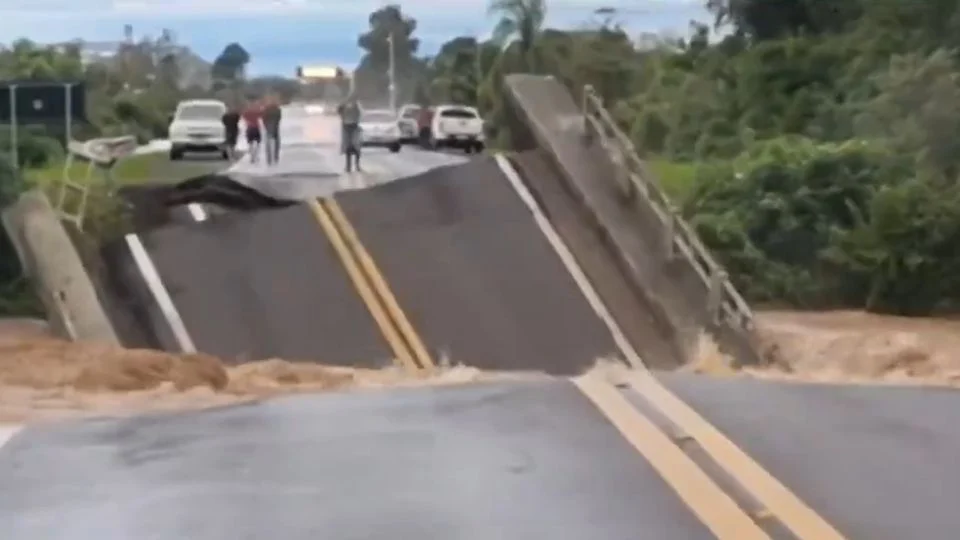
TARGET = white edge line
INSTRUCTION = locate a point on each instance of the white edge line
(7, 432)
(160, 294)
(197, 211)
(631, 356)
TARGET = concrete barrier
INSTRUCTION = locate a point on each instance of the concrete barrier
(54, 266)
(684, 288)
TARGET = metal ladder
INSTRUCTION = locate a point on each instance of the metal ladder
(101, 155)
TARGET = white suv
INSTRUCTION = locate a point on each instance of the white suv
(409, 127)
(457, 126)
(197, 126)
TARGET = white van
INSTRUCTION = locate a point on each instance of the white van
(197, 126)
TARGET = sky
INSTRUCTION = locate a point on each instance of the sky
(281, 34)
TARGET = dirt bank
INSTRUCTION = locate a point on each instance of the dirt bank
(850, 346)
(44, 378)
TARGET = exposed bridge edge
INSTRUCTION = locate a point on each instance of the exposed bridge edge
(55, 268)
(667, 262)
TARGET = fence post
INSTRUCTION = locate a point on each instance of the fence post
(585, 106)
(670, 232)
(718, 278)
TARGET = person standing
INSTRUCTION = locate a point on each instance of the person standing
(252, 116)
(424, 123)
(231, 131)
(350, 141)
(271, 127)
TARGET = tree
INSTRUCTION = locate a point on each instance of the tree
(230, 66)
(521, 20)
(772, 19)
(371, 75)
(457, 71)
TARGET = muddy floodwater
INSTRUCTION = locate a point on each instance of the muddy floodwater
(46, 378)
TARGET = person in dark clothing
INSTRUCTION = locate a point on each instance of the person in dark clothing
(424, 121)
(231, 131)
(350, 136)
(252, 116)
(271, 126)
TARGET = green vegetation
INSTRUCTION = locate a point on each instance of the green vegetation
(814, 145)
(132, 93)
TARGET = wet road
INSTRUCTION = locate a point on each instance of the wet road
(635, 455)
(509, 460)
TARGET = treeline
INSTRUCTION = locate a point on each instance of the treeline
(131, 93)
(814, 146)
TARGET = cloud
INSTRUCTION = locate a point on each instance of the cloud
(336, 8)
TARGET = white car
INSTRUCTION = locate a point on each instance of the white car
(378, 127)
(409, 127)
(197, 126)
(457, 126)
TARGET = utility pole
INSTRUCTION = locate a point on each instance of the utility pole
(392, 73)
(478, 54)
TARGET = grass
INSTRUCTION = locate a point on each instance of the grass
(675, 178)
(132, 170)
(106, 216)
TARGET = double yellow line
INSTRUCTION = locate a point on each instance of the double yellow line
(715, 508)
(404, 341)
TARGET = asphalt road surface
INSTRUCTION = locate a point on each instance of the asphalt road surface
(455, 245)
(634, 455)
(510, 460)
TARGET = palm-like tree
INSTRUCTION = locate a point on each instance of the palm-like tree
(520, 21)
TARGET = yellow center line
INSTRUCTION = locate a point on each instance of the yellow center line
(802, 520)
(379, 284)
(715, 508)
(369, 297)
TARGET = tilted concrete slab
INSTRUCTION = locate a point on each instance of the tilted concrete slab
(54, 266)
(547, 117)
(265, 284)
(506, 460)
(475, 274)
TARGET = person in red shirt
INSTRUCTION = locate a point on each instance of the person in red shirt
(252, 116)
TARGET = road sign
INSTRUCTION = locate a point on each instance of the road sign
(41, 102)
(34, 102)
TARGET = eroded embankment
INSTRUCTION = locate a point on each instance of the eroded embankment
(45, 378)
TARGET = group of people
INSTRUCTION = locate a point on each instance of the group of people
(262, 120)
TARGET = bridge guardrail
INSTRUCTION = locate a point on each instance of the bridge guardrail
(636, 184)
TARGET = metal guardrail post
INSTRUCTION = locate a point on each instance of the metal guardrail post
(670, 234)
(718, 278)
(585, 106)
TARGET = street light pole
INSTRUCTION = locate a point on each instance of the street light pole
(478, 52)
(392, 73)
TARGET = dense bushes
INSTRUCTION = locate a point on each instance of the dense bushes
(831, 224)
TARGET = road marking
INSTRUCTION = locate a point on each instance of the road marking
(569, 261)
(197, 212)
(366, 292)
(7, 432)
(379, 283)
(160, 294)
(777, 498)
(714, 507)
(796, 515)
